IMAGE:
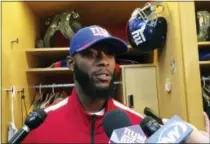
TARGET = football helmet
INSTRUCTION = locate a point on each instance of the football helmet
(146, 30)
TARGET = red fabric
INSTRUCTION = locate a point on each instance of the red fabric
(70, 124)
(117, 68)
(57, 65)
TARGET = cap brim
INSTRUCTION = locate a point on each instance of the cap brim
(117, 45)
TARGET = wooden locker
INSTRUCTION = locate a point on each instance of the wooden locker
(140, 81)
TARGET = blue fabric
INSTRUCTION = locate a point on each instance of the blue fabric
(88, 36)
(204, 55)
(64, 63)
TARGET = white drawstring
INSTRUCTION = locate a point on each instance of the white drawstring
(12, 128)
(12, 104)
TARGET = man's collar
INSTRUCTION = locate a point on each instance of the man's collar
(99, 113)
(74, 101)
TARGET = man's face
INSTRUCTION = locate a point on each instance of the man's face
(94, 71)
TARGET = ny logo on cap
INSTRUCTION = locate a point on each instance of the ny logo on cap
(98, 31)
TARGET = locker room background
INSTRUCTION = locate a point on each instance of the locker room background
(184, 62)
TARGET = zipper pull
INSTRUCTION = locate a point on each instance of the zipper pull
(93, 117)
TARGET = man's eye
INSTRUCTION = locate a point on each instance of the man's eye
(110, 53)
(89, 54)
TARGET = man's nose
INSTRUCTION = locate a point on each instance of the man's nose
(103, 59)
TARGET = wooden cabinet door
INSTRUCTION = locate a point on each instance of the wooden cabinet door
(140, 81)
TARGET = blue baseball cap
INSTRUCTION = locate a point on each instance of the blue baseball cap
(91, 35)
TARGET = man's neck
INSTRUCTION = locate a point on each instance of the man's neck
(88, 104)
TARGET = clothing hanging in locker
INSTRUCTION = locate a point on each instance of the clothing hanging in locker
(44, 99)
(206, 94)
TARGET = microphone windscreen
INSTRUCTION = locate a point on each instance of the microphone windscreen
(41, 113)
(149, 125)
(35, 118)
(113, 120)
(149, 112)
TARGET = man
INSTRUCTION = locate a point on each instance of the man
(78, 118)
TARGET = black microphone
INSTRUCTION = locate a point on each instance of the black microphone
(149, 125)
(175, 130)
(115, 119)
(118, 128)
(34, 120)
(149, 112)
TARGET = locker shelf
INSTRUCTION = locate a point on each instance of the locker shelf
(49, 71)
(48, 56)
(204, 44)
(48, 51)
(204, 63)
(62, 52)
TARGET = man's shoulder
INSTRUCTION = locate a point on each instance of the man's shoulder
(56, 112)
(55, 115)
(57, 106)
(134, 116)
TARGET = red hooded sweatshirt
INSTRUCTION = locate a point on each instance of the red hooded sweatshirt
(67, 122)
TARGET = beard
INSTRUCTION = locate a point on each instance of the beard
(87, 84)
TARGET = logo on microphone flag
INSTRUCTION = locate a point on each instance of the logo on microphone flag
(131, 134)
(174, 131)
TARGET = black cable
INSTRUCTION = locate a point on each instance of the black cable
(24, 100)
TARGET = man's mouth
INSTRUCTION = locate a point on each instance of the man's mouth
(103, 76)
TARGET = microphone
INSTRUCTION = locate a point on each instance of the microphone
(149, 125)
(175, 130)
(113, 120)
(149, 112)
(34, 120)
(117, 127)
(130, 134)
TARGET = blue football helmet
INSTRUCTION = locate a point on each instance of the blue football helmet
(146, 30)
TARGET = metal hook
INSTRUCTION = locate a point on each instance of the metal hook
(12, 90)
(15, 41)
(21, 91)
(8, 90)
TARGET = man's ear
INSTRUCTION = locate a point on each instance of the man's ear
(70, 62)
